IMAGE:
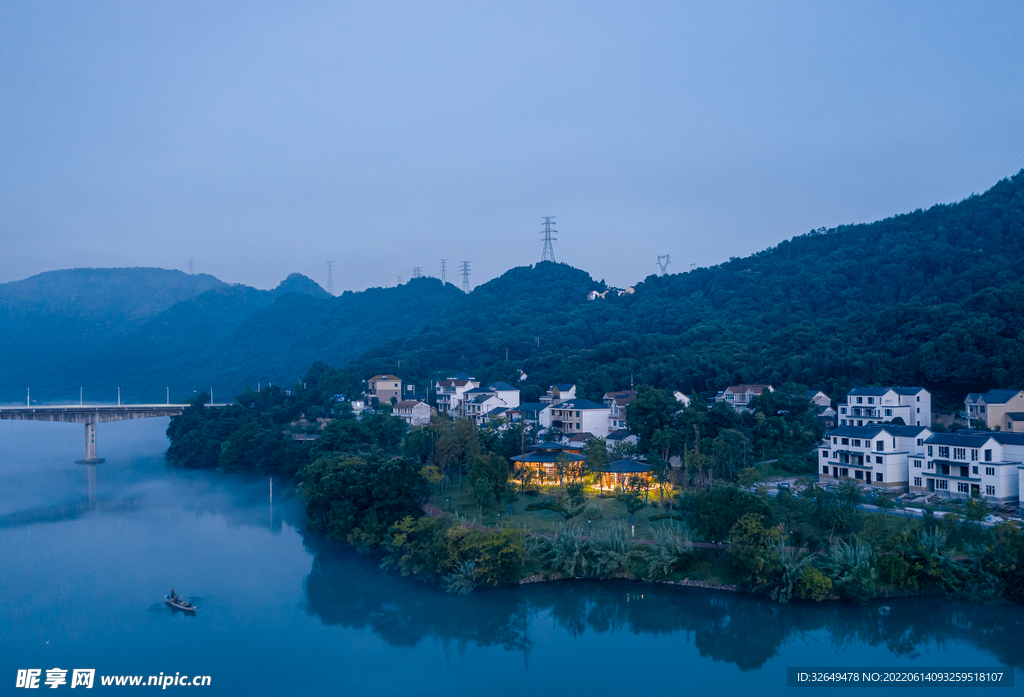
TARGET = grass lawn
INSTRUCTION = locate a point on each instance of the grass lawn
(544, 521)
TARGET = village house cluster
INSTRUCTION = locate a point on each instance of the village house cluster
(882, 436)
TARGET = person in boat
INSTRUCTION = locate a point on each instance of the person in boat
(174, 596)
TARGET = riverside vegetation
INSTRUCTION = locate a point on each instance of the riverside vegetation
(367, 479)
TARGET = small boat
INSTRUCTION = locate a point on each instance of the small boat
(179, 604)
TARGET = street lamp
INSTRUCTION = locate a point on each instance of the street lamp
(449, 500)
(590, 523)
(499, 521)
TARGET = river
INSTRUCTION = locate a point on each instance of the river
(87, 555)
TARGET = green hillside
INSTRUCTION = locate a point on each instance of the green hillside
(932, 297)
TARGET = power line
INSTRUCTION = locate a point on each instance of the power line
(444, 268)
(330, 277)
(191, 266)
(549, 251)
(417, 272)
(664, 265)
(465, 277)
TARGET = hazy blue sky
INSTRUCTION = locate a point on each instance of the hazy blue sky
(265, 138)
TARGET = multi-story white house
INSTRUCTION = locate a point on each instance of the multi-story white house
(740, 396)
(866, 406)
(875, 455)
(580, 416)
(480, 402)
(997, 409)
(449, 392)
(560, 392)
(970, 463)
(414, 412)
(383, 387)
(617, 403)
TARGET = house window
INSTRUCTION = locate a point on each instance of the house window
(856, 442)
(844, 472)
(860, 400)
(931, 465)
(878, 476)
(824, 469)
(974, 454)
(942, 484)
(858, 474)
(944, 451)
(919, 410)
(919, 399)
(878, 459)
(842, 410)
(888, 412)
(988, 456)
(879, 445)
(917, 464)
(920, 442)
(929, 451)
(982, 408)
(959, 453)
(835, 441)
(846, 441)
(990, 471)
(990, 490)
(962, 487)
(859, 422)
(975, 468)
(824, 454)
(917, 481)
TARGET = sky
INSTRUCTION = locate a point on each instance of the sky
(264, 138)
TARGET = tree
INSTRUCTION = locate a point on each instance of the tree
(631, 496)
(653, 410)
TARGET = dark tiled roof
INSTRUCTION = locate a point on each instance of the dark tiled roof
(1008, 438)
(563, 386)
(532, 407)
(874, 429)
(503, 386)
(619, 434)
(626, 467)
(999, 396)
(869, 391)
(961, 439)
(547, 456)
(1016, 415)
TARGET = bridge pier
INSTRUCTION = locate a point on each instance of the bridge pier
(90, 447)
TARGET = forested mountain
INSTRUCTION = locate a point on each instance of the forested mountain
(932, 297)
(148, 329)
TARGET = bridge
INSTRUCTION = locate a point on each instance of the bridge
(90, 415)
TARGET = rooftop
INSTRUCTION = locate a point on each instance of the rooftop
(626, 467)
(578, 404)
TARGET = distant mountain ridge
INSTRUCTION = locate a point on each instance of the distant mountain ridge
(933, 297)
(146, 330)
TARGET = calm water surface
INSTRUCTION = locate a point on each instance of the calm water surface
(83, 570)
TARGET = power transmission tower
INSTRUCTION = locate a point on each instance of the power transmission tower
(465, 277)
(330, 277)
(549, 251)
(444, 268)
(665, 265)
(191, 266)
(399, 280)
(417, 272)
(692, 266)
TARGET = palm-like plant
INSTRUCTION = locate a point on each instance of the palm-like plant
(673, 551)
(569, 553)
(793, 565)
(615, 553)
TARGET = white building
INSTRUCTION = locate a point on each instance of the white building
(560, 392)
(873, 405)
(970, 463)
(413, 412)
(682, 398)
(580, 416)
(449, 392)
(480, 402)
(875, 455)
(617, 403)
(740, 396)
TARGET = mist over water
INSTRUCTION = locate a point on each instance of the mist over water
(84, 567)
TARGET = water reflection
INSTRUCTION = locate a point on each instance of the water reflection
(346, 589)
